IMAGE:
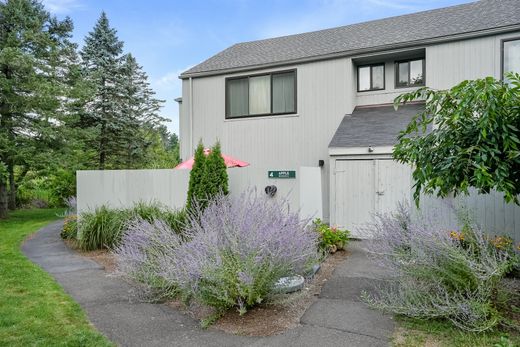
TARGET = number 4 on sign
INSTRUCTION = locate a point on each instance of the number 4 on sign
(271, 174)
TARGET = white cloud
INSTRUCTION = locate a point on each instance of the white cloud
(62, 6)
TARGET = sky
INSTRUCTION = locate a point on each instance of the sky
(169, 36)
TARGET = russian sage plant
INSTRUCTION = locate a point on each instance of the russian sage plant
(438, 273)
(237, 248)
(143, 243)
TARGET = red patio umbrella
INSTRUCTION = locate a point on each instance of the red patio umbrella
(230, 161)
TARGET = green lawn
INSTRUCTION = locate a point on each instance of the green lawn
(413, 333)
(34, 309)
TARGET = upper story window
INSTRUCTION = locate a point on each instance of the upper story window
(511, 56)
(261, 95)
(409, 73)
(371, 77)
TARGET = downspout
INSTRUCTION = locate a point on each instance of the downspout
(191, 116)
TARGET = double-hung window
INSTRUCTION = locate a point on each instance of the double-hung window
(261, 95)
(510, 56)
(409, 73)
(371, 77)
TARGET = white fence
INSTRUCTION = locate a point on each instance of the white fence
(490, 211)
(124, 188)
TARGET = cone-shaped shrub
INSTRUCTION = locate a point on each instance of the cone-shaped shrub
(196, 190)
(215, 174)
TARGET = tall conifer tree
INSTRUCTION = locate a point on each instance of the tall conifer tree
(35, 59)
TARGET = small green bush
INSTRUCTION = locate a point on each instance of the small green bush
(331, 239)
(103, 227)
(70, 227)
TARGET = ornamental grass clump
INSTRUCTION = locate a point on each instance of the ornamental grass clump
(439, 273)
(237, 248)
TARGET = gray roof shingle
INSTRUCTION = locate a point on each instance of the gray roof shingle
(389, 32)
(374, 126)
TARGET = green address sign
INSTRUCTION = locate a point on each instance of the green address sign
(281, 174)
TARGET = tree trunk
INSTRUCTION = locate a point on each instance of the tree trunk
(3, 199)
(12, 188)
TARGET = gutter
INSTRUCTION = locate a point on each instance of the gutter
(351, 53)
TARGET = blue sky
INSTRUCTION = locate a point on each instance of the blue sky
(169, 36)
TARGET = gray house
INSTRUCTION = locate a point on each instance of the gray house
(323, 99)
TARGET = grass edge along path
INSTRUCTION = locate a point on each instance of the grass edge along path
(34, 309)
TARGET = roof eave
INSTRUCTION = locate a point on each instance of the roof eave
(423, 42)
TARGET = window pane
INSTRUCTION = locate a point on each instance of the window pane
(364, 78)
(237, 97)
(260, 95)
(283, 92)
(378, 77)
(416, 72)
(402, 74)
(512, 56)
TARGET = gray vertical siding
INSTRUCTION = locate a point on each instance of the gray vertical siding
(489, 211)
(326, 92)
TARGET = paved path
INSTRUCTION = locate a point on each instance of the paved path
(337, 318)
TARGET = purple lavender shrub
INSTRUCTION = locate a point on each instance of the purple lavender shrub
(438, 273)
(237, 248)
(142, 244)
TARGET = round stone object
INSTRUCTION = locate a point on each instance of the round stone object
(289, 284)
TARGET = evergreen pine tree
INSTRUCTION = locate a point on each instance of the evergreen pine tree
(103, 69)
(36, 57)
(196, 190)
(142, 110)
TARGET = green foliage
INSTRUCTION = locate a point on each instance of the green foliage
(208, 177)
(123, 110)
(70, 228)
(40, 190)
(36, 55)
(34, 309)
(215, 173)
(238, 278)
(468, 136)
(331, 239)
(103, 227)
(196, 190)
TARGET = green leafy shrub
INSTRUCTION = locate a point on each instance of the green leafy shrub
(331, 239)
(70, 227)
(103, 227)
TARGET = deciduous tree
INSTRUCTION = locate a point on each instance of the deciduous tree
(468, 136)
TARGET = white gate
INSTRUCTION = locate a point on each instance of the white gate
(365, 187)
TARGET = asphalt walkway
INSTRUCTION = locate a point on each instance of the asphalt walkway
(337, 318)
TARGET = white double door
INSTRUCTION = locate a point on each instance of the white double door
(366, 187)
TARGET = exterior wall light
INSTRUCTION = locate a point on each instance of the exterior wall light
(321, 163)
(370, 149)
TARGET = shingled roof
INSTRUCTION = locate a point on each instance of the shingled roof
(475, 18)
(374, 125)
